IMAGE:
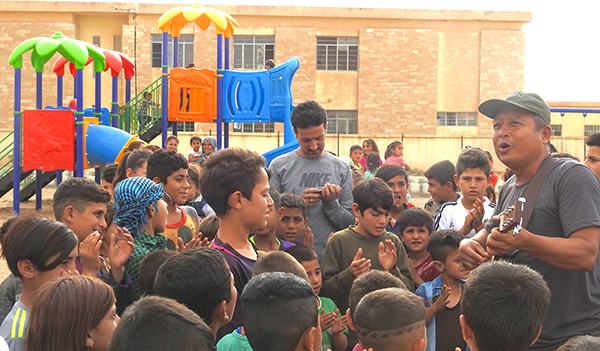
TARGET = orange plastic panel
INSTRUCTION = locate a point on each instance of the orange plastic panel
(48, 140)
(192, 95)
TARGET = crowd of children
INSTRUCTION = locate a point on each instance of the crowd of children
(199, 253)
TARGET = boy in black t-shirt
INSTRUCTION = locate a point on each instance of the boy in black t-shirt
(442, 295)
(235, 184)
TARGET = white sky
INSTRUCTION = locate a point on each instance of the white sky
(562, 55)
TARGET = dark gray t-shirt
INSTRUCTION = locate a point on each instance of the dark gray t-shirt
(294, 173)
(569, 201)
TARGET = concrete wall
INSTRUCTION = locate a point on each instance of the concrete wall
(419, 151)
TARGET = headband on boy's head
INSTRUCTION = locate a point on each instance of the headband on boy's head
(132, 196)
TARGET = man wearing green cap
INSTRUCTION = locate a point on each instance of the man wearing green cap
(562, 236)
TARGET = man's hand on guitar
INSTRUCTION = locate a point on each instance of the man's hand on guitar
(499, 243)
(472, 254)
(509, 234)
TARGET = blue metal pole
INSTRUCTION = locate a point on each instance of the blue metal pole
(175, 64)
(219, 91)
(59, 90)
(98, 113)
(226, 125)
(59, 98)
(127, 122)
(575, 110)
(165, 88)
(17, 144)
(127, 90)
(115, 103)
(79, 123)
(38, 173)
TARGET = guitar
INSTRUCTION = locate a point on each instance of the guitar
(511, 219)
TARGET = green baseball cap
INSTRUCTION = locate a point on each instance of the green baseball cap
(531, 102)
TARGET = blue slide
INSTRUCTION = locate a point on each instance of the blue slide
(289, 147)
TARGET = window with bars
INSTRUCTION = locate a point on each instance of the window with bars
(556, 130)
(589, 130)
(251, 52)
(342, 122)
(457, 119)
(185, 126)
(118, 43)
(337, 54)
(254, 127)
(185, 52)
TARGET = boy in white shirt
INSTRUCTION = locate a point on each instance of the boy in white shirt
(469, 213)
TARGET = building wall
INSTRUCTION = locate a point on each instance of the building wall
(398, 81)
(502, 67)
(412, 63)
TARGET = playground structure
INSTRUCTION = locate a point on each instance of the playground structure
(201, 95)
(196, 95)
(48, 134)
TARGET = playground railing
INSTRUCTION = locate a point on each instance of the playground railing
(7, 154)
(143, 110)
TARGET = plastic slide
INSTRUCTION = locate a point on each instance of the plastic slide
(289, 147)
(105, 145)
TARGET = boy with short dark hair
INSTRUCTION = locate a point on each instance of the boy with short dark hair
(442, 295)
(468, 214)
(265, 239)
(503, 307)
(235, 184)
(209, 227)
(356, 154)
(391, 319)
(278, 261)
(274, 261)
(149, 267)
(172, 143)
(366, 246)
(592, 153)
(333, 324)
(81, 205)
(440, 185)
(281, 313)
(293, 217)
(169, 169)
(200, 279)
(156, 324)
(416, 226)
(36, 250)
(366, 283)
(396, 178)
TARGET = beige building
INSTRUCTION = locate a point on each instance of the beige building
(416, 75)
